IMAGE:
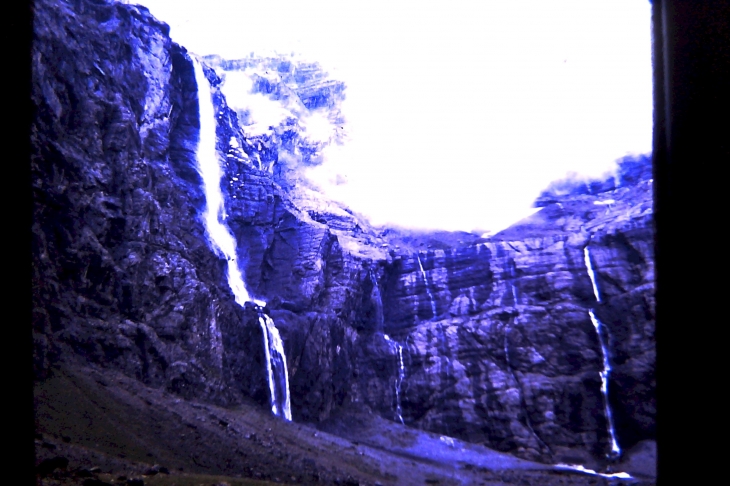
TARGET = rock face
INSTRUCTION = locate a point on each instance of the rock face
(497, 343)
(123, 273)
(500, 348)
(630, 170)
(290, 111)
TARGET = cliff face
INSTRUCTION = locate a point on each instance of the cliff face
(290, 111)
(123, 273)
(498, 346)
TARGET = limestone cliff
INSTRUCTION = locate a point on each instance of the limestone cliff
(497, 342)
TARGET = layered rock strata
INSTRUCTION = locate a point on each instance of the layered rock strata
(497, 343)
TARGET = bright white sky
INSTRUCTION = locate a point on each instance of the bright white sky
(459, 112)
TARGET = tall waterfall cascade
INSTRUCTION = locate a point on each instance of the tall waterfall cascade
(615, 449)
(401, 375)
(224, 244)
(276, 368)
(209, 168)
(428, 287)
(591, 273)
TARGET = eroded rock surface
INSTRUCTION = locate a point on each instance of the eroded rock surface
(498, 345)
(123, 273)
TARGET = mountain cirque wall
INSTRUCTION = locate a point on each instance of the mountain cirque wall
(511, 357)
(124, 276)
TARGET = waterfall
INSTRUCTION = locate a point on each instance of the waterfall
(444, 348)
(210, 171)
(428, 288)
(224, 244)
(216, 338)
(615, 450)
(604, 384)
(276, 368)
(377, 301)
(513, 276)
(401, 375)
(591, 273)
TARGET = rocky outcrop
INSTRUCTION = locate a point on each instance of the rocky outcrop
(497, 343)
(289, 109)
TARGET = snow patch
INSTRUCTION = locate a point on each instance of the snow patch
(579, 468)
(604, 203)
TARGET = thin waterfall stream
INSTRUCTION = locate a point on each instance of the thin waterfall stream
(615, 449)
(398, 348)
(428, 287)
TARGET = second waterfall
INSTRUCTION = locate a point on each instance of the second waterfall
(224, 244)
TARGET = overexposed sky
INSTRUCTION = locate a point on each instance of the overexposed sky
(459, 112)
